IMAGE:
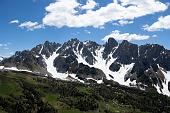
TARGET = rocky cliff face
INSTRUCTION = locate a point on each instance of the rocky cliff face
(145, 67)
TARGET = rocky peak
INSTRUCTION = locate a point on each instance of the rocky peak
(91, 46)
(85, 49)
(90, 43)
(125, 42)
(69, 47)
(152, 50)
(46, 49)
(109, 47)
(112, 42)
(51, 45)
(21, 53)
(127, 46)
(23, 60)
(72, 41)
(46, 43)
(126, 53)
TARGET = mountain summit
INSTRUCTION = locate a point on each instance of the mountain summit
(145, 67)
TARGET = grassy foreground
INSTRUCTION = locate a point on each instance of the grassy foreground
(26, 93)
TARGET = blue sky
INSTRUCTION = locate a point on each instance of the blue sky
(26, 23)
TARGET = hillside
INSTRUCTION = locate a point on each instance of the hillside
(23, 92)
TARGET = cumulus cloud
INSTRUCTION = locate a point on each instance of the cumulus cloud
(30, 26)
(89, 5)
(162, 23)
(14, 22)
(66, 12)
(125, 36)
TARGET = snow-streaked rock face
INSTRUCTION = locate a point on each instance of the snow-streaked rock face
(50, 65)
(165, 89)
(1, 58)
(166, 84)
(126, 63)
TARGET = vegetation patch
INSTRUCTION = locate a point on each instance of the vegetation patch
(26, 93)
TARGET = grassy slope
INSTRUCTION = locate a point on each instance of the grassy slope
(37, 95)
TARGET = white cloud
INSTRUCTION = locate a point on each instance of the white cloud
(154, 36)
(125, 36)
(87, 31)
(30, 26)
(75, 34)
(66, 12)
(89, 5)
(162, 23)
(14, 22)
(11, 53)
(5, 45)
(124, 22)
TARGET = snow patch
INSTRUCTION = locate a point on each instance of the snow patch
(104, 65)
(1, 67)
(14, 69)
(158, 89)
(41, 49)
(51, 69)
(119, 75)
(11, 68)
(37, 56)
(76, 78)
(165, 90)
(98, 81)
(80, 59)
(165, 84)
(50, 64)
(61, 76)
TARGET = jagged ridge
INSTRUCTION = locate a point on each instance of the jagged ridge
(145, 67)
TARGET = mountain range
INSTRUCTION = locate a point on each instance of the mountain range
(146, 67)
